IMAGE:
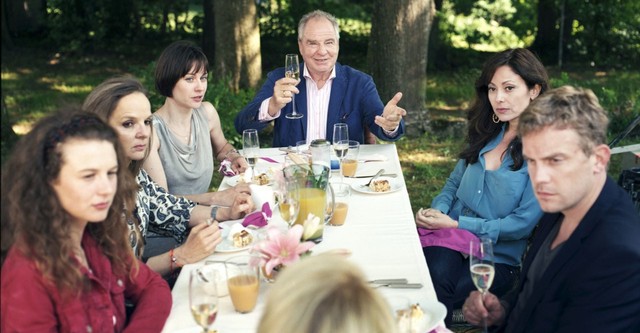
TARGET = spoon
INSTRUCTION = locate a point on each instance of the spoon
(373, 178)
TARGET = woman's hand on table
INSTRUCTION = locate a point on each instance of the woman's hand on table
(226, 197)
(241, 206)
(434, 219)
(238, 164)
(201, 242)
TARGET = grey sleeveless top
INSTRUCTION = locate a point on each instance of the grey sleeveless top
(188, 168)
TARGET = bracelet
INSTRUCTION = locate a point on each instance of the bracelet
(174, 261)
(214, 212)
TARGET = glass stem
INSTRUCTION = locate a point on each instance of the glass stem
(293, 103)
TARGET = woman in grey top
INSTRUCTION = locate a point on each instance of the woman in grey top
(188, 129)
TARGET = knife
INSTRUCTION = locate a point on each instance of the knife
(389, 281)
(402, 285)
(392, 175)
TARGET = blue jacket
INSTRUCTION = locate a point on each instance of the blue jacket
(593, 283)
(496, 204)
(354, 100)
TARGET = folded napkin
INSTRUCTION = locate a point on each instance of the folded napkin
(225, 168)
(455, 239)
(259, 218)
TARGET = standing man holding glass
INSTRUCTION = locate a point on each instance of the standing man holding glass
(327, 93)
(582, 271)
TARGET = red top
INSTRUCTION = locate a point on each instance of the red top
(31, 304)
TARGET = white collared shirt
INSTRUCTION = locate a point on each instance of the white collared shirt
(317, 106)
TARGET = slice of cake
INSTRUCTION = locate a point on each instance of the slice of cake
(381, 185)
(239, 236)
(242, 238)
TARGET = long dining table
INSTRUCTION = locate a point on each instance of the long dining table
(379, 232)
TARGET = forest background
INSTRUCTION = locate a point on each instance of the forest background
(55, 51)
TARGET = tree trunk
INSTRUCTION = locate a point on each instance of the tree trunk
(23, 17)
(237, 43)
(209, 30)
(545, 44)
(7, 40)
(397, 54)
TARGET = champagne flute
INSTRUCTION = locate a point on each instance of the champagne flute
(250, 148)
(203, 297)
(289, 203)
(341, 143)
(481, 264)
(292, 71)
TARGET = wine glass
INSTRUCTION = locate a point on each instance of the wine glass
(250, 148)
(203, 297)
(481, 264)
(292, 71)
(289, 202)
(341, 142)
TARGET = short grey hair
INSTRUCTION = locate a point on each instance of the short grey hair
(318, 14)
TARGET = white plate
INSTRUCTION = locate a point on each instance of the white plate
(395, 186)
(227, 246)
(234, 180)
(434, 313)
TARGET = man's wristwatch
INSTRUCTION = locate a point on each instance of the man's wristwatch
(214, 212)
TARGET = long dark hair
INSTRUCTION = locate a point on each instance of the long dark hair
(481, 128)
(33, 219)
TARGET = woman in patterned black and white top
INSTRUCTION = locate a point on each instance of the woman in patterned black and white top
(123, 103)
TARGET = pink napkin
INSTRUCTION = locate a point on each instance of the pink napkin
(455, 239)
(259, 218)
(225, 168)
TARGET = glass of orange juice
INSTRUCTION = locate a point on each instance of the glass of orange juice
(243, 282)
(350, 160)
(341, 204)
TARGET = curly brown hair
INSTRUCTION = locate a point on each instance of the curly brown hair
(34, 221)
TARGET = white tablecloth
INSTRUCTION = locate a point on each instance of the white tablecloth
(379, 231)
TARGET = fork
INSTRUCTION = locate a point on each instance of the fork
(373, 178)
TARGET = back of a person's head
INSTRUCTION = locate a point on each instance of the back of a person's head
(324, 294)
(567, 107)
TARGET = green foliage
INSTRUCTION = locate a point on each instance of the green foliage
(606, 33)
(617, 92)
(482, 25)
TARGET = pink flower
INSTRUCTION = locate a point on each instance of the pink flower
(282, 248)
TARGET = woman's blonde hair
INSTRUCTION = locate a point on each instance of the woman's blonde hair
(324, 294)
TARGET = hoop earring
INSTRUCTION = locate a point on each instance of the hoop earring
(495, 119)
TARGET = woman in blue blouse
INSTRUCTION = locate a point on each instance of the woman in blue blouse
(489, 193)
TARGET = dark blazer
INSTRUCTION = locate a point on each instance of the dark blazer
(593, 284)
(354, 100)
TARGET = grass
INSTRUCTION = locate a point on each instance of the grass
(35, 83)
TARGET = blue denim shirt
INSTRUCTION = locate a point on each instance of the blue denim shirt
(497, 204)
